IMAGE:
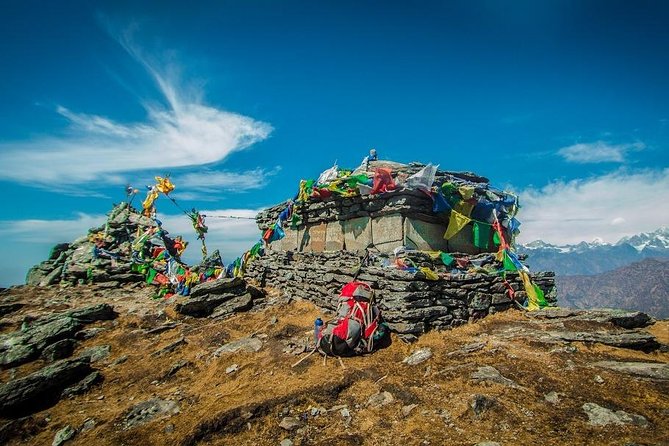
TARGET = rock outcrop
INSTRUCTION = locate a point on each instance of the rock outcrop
(51, 336)
(80, 262)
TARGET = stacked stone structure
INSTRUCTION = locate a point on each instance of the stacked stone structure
(412, 304)
(76, 262)
(332, 247)
(398, 218)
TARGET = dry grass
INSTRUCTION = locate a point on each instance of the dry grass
(245, 407)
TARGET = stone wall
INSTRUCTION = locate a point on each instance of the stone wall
(385, 221)
(411, 304)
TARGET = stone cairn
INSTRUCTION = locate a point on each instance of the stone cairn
(105, 254)
(76, 263)
(80, 262)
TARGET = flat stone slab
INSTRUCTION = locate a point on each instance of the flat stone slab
(654, 370)
(632, 340)
(203, 306)
(424, 236)
(601, 416)
(236, 304)
(620, 318)
(418, 356)
(149, 410)
(491, 374)
(357, 233)
(245, 344)
(216, 286)
(334, 236)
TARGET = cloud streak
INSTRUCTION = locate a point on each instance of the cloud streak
(208, 184)
(49, 231)
(599, 152)
(184, 132)
(609, 207)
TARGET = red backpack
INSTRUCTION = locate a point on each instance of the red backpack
(358, 325)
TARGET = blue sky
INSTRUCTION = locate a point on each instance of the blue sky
(563, 102)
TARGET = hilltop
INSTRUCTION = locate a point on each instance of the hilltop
(551, 377)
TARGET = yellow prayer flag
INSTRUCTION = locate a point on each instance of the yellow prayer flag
(164, 185)
(456, 222)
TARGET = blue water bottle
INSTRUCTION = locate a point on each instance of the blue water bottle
(318, 325)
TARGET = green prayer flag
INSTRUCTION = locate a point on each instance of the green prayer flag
(541, 299)
(481, 233)
(446, 259)
(508, 263)
(151, 275)
(495, 238)
(294, 221)
(354, 180)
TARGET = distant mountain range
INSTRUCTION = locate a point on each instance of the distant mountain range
(595, 257)
(640, 286)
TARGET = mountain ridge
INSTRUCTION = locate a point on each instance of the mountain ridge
(642, 285)
(588, 258)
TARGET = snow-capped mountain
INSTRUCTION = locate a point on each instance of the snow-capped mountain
(654, 241)
(595, 257)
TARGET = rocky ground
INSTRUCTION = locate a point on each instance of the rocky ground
(111, 366)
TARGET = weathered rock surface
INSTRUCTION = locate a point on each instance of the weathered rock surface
(653, 370)
(481, 403)
(59, 349)
(149, 410)
(28, 343)
(491, 374)
(96, 353)
(380, 399)
(601, 416)
(249, 344)
(216, 287)
(84, 385)
(219, 298)
(10, 308)
(63, 435)
(620, 318)
(290, 423)
(632, 340)
(418, 356)
(42, 388)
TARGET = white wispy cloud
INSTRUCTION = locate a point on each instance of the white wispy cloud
(49, 231)
(607, 207)
(183, 132)
(599, 152)
(210, 184)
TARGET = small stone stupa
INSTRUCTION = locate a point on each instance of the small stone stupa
(436, 246)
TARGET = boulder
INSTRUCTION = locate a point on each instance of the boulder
(42, 388)
(216, 287)
(601, 416)
(634, 340)
(234, 305)
(59, 350)
(22, 346)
